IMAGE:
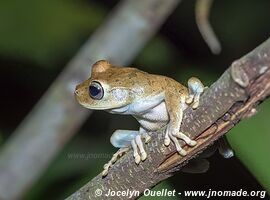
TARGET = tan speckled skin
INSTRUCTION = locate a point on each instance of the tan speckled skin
(139, 85)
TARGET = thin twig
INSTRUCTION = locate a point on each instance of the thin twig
(202, 10)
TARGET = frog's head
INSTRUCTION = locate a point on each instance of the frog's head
(108, 87)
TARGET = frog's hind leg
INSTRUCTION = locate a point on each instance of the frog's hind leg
(195, 88)
(114, 158)
(120, 139)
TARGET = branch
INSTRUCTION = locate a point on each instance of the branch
(233, 97)
(57, 117)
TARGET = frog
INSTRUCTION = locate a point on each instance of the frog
(155, 101)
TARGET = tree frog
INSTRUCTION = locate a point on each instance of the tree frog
(155, 101)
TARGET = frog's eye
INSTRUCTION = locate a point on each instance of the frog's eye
(96, 90)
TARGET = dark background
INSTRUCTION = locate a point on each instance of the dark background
(37, 39)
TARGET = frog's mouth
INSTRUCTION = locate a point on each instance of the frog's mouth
(119, 110)
(116, 109)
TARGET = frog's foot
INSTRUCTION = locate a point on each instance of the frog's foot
(114, 158)
(182, 136)
(138, 149)
(174, 136)
(196, 88)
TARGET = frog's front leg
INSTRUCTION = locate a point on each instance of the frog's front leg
(174, 105)
(195, 88)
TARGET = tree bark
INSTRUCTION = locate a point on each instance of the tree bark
(232, 98)
(57, 116)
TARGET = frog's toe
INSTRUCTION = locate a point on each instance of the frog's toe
(189, 99)
(105, 172)
(184, 137)
(182, 152)
(195, 105)
(106, 169)
(192, 143)
(137, 158)
(106, 166)
(178, 147)
(136, 155)
(143, 156)
(167, 141)
(139, 143)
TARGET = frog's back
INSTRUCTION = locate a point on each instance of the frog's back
(167, 83)
(157, 83)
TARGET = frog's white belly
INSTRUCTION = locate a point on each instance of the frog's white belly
(154, 118)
